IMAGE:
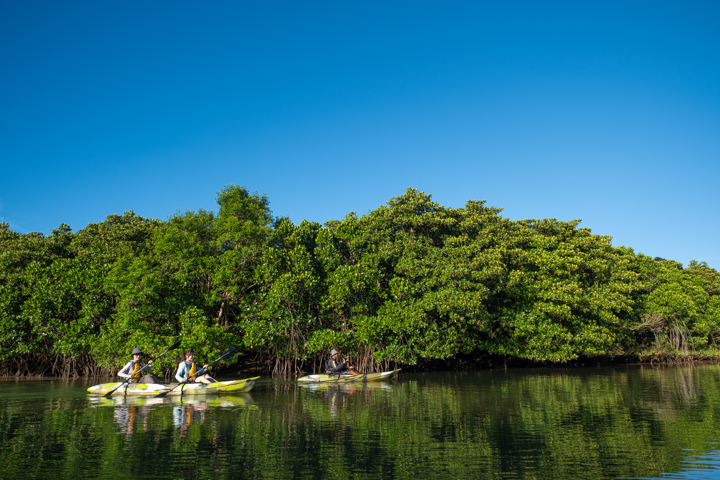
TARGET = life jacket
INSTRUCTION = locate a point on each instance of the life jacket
(135, 375)
(192, 371)
(333, 367)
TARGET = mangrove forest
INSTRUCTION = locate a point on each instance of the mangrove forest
(409, 283)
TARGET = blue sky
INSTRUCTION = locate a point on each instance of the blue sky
(607, 112)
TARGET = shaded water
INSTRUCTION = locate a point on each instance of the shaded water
(615, 422)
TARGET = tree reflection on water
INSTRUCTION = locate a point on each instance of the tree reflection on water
(536, 423)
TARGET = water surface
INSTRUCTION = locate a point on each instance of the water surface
(614, 422)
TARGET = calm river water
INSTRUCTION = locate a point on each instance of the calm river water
(614, 422)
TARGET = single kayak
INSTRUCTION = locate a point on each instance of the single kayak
(365, 377)
(236, 386)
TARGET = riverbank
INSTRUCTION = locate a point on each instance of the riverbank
(251, 365)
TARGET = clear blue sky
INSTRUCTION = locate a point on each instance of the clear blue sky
(604, 111)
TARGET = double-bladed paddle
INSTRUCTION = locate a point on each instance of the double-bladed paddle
(225, 355)
(172, 347)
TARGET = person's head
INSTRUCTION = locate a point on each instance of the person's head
(189, 355)
(333, 353)
(137, 354)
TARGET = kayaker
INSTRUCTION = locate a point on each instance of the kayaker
(187, 369)
(132, 369)
(333, 366)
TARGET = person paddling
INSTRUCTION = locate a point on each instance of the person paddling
(334, 366)
(132, 368)
(187, 368)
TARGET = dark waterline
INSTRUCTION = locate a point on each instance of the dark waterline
(610, 422)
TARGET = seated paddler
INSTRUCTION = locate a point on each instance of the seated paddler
(187, 370)
(134, 369)
(333, 366)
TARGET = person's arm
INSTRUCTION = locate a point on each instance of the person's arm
(181, 372)
(125, 371)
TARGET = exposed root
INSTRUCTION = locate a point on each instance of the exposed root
(51, 365)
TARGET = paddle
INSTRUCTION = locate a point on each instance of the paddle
(225, 355)
(172, 347)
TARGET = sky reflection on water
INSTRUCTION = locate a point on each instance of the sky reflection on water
(698, 467)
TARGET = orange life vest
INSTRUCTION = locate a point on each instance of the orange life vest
(135, 375)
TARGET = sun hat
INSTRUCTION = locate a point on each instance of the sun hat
(333, 352)
(137, 351)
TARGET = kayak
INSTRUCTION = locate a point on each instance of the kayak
(365, 377)
(236, 386)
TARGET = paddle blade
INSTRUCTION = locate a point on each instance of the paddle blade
(175, 345)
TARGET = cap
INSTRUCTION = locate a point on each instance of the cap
(333, 352)
(137, 351)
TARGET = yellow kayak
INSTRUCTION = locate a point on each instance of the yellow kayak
(365, 377)
(236, 386)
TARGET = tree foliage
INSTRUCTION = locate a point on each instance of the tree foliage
(409, 281)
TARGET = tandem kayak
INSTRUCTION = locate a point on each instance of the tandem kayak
(365, 377)
(236, 386)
